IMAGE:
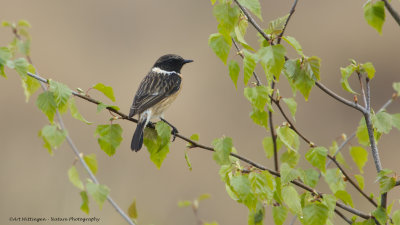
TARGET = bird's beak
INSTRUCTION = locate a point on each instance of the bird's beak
(187, 61)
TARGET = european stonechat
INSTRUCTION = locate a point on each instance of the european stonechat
(156, 92)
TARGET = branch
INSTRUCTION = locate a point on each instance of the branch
(340, 99)
(333, 159)
(343, 216)
(292, 10)
(367, 116)
(197, 145)
(392, 12)
(374, 148)
(397, 183)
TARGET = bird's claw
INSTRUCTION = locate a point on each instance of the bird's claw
(174, 133)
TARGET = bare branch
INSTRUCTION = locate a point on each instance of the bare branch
(292, 10)
(339, 98)
(392, 12)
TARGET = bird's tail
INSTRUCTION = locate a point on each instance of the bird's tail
(137, 140)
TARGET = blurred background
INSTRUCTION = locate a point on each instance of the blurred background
(81, 43)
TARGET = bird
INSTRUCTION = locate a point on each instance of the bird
(158, 89)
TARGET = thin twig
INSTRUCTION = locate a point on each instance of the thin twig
(367, 116)
(292, 10)
(333, 159)
(277, 103)
(339, 98)
(343, 216)
(374, 148)
(392, 12)
(272, 130)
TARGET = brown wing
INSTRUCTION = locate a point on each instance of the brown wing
(154, 88)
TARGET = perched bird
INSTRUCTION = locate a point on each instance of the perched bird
(156, 92)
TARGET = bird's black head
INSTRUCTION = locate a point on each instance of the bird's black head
(171, 62)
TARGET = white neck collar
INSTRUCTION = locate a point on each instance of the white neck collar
(158, 70)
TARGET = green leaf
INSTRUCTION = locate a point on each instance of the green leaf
(396, 87)
(386, 184)
(109, 137)
(311, 177)
(21, 66)
(234, 70)
(275, 27)
(288, 174)
(61, 93)
(369, 69)
(5, 23)
(256, 216)
(382, 121)
(290, 157)
(220, 46)
(5, 55)
(99, 192)
(212, 223)
(227, 17)
(240, 31)
(24, 47)
(157, 142)
(132, 210)
(273, 59)
(253, 6)
(292, 200)
(46, 103)
(315, 214)
(106, 90)
(30, 84)
(317, 157)
(75, 113)
(52, 136)
(380, 215)
(295, 44)
(311, 66)
(203, 197)
(268, 145)
(85, 202)
(223, 147)
(242, 188)
(345, 197)
(334, 178)
(73, 176)
(374, 14)
(188, 163)
(396, 217)
(279, 213)
(330, 202)
(396, 120)
(262, 185)
(360, 181)
(292, 105)
(91, 161)
(259, 117)
(258, 96)
(288, 137)
(184, 203)
(299, 77)
(213, 2)
(249, 64)
(359, 156)
(346, 73)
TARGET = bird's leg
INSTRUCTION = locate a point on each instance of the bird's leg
(174, 130)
